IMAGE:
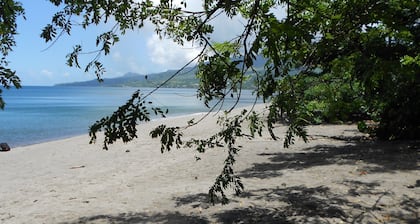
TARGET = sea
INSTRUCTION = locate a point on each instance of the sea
(36, 114)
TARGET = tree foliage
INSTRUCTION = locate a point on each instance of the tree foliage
(327, 60)
(9, 11)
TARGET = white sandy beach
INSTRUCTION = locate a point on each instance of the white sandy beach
(337, 177)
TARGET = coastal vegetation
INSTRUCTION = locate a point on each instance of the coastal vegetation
(186, 79)
(354, 61)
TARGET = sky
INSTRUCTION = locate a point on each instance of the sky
(41, 64)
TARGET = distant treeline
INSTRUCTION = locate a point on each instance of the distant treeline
(185, 79)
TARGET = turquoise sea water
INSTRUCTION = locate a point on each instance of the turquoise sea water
(38, 114)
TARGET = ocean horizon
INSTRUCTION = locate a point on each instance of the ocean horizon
(36, 114)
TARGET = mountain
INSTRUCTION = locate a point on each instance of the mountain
(185, 79)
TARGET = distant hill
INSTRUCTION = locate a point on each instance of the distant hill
(185, 79)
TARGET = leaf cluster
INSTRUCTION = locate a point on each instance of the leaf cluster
(122, 124)
(9, 12)
(226, 138)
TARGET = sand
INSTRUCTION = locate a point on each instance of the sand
(340, 176)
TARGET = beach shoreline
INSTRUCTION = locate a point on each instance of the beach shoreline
(77, 136)
(40, 114)
(337, 177)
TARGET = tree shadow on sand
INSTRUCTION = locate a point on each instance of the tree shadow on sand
(321, 205)
(362, 202)
(301, 204)
(380, 156)
(252, 215)
(194, 200)
(131, 218)
(235, 215)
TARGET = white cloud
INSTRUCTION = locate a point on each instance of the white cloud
(116, 56)
(226, 28)
(156, 55)
(47, 73)
(168, 54)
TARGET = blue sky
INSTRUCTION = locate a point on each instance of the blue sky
(140, 51)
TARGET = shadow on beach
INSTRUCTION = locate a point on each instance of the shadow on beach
(363, 201)
(130, 218)
(379, 156)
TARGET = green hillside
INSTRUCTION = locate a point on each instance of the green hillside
(185, 79)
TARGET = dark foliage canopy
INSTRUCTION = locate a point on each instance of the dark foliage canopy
(9, 11)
